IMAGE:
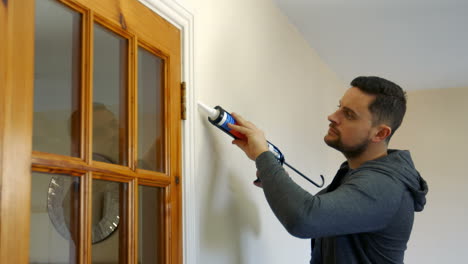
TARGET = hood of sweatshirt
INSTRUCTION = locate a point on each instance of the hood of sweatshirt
(400, 161)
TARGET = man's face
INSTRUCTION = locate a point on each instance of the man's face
(351, 125)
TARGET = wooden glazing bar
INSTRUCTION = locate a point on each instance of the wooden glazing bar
(87, 104)
(123, 224)
(132, 102)
(42, 161)
(132, 221)
(86, 218)
(114, 178)
(136, 220)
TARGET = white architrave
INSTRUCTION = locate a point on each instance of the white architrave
(183, 19)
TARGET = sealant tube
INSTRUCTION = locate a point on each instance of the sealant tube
(220, 118)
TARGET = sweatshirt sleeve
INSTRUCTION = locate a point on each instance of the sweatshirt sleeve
(364, 203)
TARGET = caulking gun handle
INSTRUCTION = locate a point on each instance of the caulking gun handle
(278, 155)
(258, 182)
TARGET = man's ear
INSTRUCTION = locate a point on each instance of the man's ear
(383, 132)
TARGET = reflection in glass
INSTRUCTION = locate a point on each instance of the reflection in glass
(109, 206)
(150, 111)
(55, 206)
(150, 226)
(109, 94)
(56, 79)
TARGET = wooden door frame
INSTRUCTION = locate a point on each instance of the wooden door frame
(181, 18)
(16, 93)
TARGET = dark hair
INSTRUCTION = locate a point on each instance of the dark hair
(389, 105)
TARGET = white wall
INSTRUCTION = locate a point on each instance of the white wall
(251, 60)
(435, 129)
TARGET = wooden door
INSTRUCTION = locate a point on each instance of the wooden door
(91, 163)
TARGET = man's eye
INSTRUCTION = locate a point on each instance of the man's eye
(348, 115)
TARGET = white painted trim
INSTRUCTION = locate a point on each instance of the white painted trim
(183, 19)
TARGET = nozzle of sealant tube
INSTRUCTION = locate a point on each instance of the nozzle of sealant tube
(221, 118)
(211, 112)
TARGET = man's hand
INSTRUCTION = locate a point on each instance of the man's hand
(255, 144)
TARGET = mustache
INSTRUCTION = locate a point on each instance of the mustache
(333, 127)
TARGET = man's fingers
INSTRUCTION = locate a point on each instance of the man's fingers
(238, 128)
(237, 142)
(241, 121)
(238, 118)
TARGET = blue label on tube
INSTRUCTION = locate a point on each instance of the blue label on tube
(229, 120)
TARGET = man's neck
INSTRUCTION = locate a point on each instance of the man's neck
(371, 153)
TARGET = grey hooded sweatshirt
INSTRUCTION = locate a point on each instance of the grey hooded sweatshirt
(364, 216)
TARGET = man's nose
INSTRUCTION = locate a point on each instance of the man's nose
(333, 118)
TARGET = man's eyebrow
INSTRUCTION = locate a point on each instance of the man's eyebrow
(348, 109)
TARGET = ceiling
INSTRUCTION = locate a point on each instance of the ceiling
(419, 44)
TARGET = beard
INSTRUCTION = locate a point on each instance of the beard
(348, 151)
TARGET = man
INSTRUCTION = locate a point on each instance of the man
(366, 214)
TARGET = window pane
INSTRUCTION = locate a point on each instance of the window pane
(55, 204)
(109, 96)
(108, 216)
(57, 79)
(150, 112)
(150, 226)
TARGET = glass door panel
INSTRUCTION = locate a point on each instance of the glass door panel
(108, 234)
(57, 79)
(109, 96)
(150, 226)
(151, 143)
(55, 207)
